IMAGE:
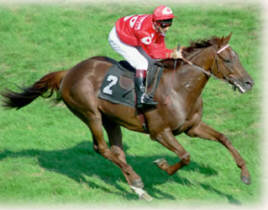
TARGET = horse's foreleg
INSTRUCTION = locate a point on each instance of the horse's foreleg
(168, 140)
(204, 131)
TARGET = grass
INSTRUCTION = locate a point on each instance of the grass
(46, 153)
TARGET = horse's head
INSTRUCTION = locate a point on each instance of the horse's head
(227, 66)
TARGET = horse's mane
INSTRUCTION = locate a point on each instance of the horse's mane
(194, 46)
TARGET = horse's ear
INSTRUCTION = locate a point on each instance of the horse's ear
(223, 40)
(220, 41)
(227, 39)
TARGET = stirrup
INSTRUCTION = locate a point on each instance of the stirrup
(146, 101)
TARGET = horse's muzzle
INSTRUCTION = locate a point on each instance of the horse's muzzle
(243, 85)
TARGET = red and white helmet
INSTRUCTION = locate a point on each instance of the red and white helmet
(162, 13)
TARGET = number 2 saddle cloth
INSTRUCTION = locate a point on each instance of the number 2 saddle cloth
(118, 85)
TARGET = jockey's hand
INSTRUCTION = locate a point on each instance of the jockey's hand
(177, 54)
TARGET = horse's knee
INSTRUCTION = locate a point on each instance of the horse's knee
(186, 158)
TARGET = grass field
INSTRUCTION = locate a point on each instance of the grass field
(46, 153)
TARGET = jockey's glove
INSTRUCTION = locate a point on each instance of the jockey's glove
(177, 53)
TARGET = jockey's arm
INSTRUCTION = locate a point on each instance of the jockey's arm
(155, 49)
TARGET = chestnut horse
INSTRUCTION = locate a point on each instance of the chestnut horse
(179, 108)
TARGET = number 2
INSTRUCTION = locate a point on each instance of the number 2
(113, 80)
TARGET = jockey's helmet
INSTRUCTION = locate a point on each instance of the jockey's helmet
(163, 16)
(162, 13)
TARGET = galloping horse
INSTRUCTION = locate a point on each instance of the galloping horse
(179, 108)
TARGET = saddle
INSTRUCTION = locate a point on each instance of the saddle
(118, 84)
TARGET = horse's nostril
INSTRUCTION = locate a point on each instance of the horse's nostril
(249, 84)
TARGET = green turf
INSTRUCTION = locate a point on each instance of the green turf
(46, 153)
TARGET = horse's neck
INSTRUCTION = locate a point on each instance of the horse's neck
(190, 81)
(203, 58)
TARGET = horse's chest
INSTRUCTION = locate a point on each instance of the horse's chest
(175, 111)
(178, 111)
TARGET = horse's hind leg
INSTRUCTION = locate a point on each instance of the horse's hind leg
(116, 154)
(115, 139)
(204, 131)
(81, 100)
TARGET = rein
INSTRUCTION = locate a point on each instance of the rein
(209, 74)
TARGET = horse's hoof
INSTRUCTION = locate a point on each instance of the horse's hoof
(138, 183)
(246, 180)
(160, 161)
(142, 193)
(146, 196)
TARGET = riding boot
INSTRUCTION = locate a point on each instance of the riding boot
(143, 99)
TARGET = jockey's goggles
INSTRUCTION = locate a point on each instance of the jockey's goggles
(164, 23)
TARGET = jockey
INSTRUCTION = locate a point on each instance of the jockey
(139, 39)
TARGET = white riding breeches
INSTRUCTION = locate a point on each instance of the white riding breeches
(130, 53)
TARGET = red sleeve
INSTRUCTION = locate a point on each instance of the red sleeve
(155, 48)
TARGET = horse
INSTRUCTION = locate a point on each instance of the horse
(179, 108)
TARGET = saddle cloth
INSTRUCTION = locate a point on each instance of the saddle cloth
(118, 84)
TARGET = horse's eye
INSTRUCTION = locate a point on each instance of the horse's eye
(227, 60)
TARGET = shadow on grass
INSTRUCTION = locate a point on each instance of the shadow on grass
(81, 162)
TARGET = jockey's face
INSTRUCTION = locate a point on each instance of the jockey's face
(162, 26)
(162, 30)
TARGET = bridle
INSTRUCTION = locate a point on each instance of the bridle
(223, 48)
(209, 74)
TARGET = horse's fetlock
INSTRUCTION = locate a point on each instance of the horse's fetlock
(186, 158)
(103, 150)
(116, 150)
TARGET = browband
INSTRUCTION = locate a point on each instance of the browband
(223, 48)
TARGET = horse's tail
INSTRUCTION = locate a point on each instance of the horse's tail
(17, 100)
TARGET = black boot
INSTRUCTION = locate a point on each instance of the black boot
(143, 99)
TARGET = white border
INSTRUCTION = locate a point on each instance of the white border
(264, 201)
